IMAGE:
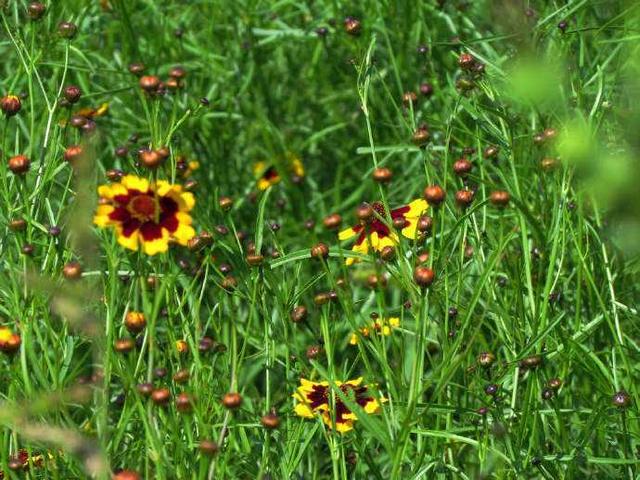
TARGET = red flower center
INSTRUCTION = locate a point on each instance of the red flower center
(143, 206)
(320, 396)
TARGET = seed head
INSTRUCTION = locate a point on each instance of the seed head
(254, 260)
(313, 351)
(466, 61)
(225, 203)
(144, 389)
(150, 158)
(184, 403)
(364, 212)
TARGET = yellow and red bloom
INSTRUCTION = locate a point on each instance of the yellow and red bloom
(382, 327)
(267, 174)
(9, 341)
(91, 112)
(314, 398)
(377, 235)
(147, 214)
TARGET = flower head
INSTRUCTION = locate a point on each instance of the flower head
(377, 234)
(380, 326)
(314, 398)
(267, 175)
(146, 214)
(9, 341)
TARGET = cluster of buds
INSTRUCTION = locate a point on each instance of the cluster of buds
(472, 69)
(153, 85)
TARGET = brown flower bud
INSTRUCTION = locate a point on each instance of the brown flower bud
(36, 10)
(17, 225)
(27, 249)
(225, 203)
(67, 30)
(19, 164)
(434, 194)
(10, 105)
(320, 250)
(332, 222)
(375, 281)
(178, 72)
(388, 253)
(423, 276)
(11, 345)
(352, 26)
(144, 389)
(466, 61)
(298, 314)
(229, 283)
(364, 212)
(270, 421)
(72, 93)
(548, 164)
(426, 89)
(78, 121)
(149, 83)
(621, 399)
(72, 271)
(533, 361)
(464, 198)
(137, 68)
(161, 396)
(382, 175)
(425, 223)
(322, 298)
(486, 359)
(421, 136)
(73, 153)
(135, 322)
(254, 260)
(313, 351)
(462, 167)
(184, 403)
(124, 345)
(422, 257)
(491, 151)
(208, 447)
(500, 198)
(232, 400)
(554, 383)
(409, 97)
(126, 475)
(550, 133)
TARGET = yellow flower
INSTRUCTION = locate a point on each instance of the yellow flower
(380, 326)
(313, 398)
(182, 346)
(146, 214)
(377, 235)
(267, 175)
(9, 341)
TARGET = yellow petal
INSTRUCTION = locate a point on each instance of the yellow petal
(183, 234)
(394, 321)
(110, 191)
(263, 184)
(344, 427)
(130, 242)
(411, 230)
(135, 183)
(417, 208)
(347, 234)
(159, 245)
(372, 406)
(354, 339)
(303, 410)
(355, 382)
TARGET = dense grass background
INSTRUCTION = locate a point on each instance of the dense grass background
(555, 274)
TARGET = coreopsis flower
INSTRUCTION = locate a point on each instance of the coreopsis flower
(267, 174)
(146, 214)
(314, 398)
(380, 326)
(91, 112)
(377, 234)
(9, 341)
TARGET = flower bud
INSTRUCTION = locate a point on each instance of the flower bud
(67, 30)
(464, 198)
(135, 322)
(382, 175)
(421, 136)
(19, 164)
(126, 475)
(434, 194)
(270, 421)
(332, 222)
(149, 83)
(73, 153)
(423, 276)
(320, 250)
(161, 396)
(462, 167)
(184, 403)
(36, 10)
(150, 158)
(137, 68)
(124, 345)
(10, 105)
(72, 271)
(298, 314)
(352, 26)
(208, 447)
(500, 198)
(72, 94)
(232, 400)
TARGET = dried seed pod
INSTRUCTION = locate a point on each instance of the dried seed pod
(332, 222)
(320, 250)
(382, 175)
(298, 314)
(423, 276)
(464, 198)
(10, 105)
(161, 396)
(135, 322)
(500, 198)
(19, 164)
(434, 194)
(232, 400)
(72, 271)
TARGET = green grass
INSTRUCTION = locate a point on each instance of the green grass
(554, 274)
